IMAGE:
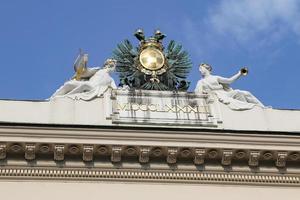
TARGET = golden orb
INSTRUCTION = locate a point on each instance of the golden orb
(152, 59)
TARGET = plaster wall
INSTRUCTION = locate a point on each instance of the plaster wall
(146, 191)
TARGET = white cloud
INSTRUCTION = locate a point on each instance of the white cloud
(247, 19)
(250, 24)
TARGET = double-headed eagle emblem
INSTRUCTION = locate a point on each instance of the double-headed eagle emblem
(150, 66)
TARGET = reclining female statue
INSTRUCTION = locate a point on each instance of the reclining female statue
(89, 83)
(235, 99)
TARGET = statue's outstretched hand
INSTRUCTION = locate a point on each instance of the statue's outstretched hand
(244, 71)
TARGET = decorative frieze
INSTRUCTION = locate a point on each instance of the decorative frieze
(59, 152)
(172, 155)
(73, 149)
(2, 151)
(267, 155)
(116, 153)
(87, 154)
(161, 176)
(185, 153)
(294, 156)
(29, 151)
(212, 154)
(16, 148)
(44, 148)
(157, 152)
(199, 156)
(226, 157)
(144, 154)
(240, 154)
(102, 150)
(281, 159)
(254, 158)
(130, 151)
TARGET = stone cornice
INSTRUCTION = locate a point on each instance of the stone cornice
(213, 156)
(174, 137)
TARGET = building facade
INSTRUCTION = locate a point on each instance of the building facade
(136, 144)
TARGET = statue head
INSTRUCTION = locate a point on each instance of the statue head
(110, 65)
(205, 69)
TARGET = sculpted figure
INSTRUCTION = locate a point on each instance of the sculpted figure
(235, 99)
(88, 83)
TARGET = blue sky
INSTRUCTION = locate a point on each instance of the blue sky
(39, 41)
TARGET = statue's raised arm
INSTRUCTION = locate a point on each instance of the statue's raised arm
(235, 99)
(87, 83)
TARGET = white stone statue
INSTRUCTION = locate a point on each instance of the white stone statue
(235, 99)
(87, 83)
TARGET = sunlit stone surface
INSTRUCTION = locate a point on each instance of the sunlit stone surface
(172, 145)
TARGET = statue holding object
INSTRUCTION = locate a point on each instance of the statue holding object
(87, 83)
(235, 99)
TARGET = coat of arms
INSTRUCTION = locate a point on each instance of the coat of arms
(151, 66)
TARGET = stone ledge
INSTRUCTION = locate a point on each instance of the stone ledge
(145, 154)
(105, 111)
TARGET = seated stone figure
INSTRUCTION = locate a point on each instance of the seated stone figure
(91, 83)
(235, 99)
